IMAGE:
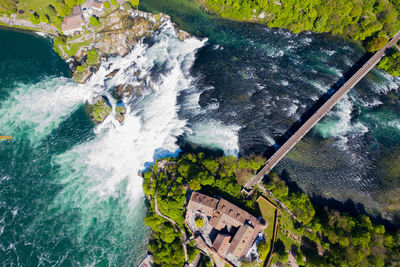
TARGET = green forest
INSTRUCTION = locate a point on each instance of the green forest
(371, 21)
(333, 238)
(391, 62)
(329, 237)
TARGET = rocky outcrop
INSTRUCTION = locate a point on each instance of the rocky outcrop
(123, 91)
(120, 112)
(100, 109)
(120, 30)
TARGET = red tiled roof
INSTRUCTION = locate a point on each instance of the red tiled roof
(72, 22)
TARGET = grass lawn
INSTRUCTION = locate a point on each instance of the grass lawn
(39, 6)
(268, 213)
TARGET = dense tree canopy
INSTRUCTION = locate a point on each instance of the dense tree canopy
(391, 63)
(358, 19)
(347, 240)
(166, 181)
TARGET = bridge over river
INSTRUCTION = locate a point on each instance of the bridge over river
(319, 114)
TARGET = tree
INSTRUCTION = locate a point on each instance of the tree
(94, 21)
(199, 222)
(44, 19)
(263, 249)
(167, 234)
(57, 20)
(114, 2)
(62, 9)
(51, 11)
(391, 63)
(281, 251)
(135, 3)
(106, 5)
(92, 57)
(194, 185)
(376, 43)
(72, 3)
(34, 18)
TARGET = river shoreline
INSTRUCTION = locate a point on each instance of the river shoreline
(13, 22)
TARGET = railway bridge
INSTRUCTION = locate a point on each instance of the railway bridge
(319, 114)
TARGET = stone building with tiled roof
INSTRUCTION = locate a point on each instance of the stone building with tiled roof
(229, 230)
(74, 22)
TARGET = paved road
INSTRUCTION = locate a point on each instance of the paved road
(320, 113)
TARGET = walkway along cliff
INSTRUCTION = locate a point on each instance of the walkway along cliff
(319, 114)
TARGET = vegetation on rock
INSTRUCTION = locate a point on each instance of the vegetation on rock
(92, 57)
(101, 110)
(119, 113)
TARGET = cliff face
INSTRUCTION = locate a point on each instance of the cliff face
(118, 31)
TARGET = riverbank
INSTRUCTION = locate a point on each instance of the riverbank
(14, 22)
(110, 32)
(318, 17)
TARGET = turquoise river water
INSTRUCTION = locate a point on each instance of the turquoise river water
(69, 190)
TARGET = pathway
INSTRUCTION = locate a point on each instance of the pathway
(13, 21)
(183, 238)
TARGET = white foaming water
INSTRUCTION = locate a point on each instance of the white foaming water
(119, 152)
(395, 124)
(317, 84)
(291, 110)
(34, 110)
(338, 123)
(215, 134)
(214, 104)
(100, 185)
(386, 82)
(272, 51)
(284, 83)
(269, 140)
